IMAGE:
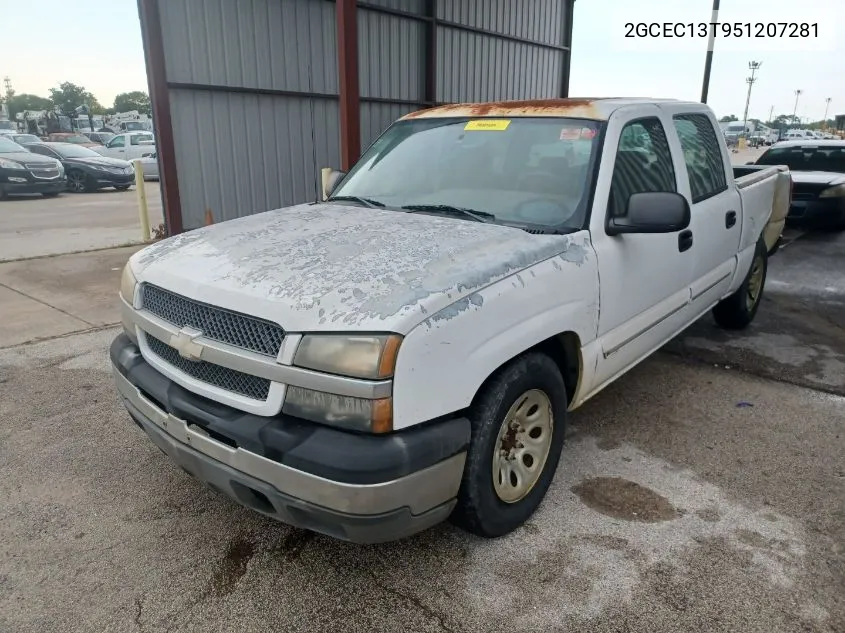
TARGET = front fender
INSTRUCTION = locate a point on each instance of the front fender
(445, 360)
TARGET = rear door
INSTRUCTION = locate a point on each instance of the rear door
(644, 278)
(715, 206)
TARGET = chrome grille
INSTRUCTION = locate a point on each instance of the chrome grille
(222, 377)
(45, 173)
(215, 323)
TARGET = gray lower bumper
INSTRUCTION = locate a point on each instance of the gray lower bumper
(358, 513)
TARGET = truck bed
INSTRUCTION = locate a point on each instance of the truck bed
(766, 191)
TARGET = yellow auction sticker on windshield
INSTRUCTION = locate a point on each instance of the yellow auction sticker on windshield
(488, 125)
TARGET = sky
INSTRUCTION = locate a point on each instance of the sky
(97, 43)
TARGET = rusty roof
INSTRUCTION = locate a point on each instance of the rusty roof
(583, 108)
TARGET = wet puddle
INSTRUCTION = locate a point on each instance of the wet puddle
(623, 499)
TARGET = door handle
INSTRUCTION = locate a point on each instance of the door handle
(730, 219)
(684, 240)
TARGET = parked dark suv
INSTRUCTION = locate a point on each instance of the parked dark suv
(22, 171)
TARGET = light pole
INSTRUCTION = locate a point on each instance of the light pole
(708, 60)
(754, 67)
(795, 109)
(826, 106)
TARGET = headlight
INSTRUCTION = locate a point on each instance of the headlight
(366, 356)
(833, 192)
(10, 164)
(128, 284)
(358, 414)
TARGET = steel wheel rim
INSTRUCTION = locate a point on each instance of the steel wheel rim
(522, 446)
(755, 283)
(76, 182)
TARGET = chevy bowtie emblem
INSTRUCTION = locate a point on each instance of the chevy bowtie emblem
(183, 342)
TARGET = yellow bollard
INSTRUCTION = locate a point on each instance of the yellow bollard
(324, 173)
(143, 211)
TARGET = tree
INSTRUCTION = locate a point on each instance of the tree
(19, 103)
(728, 119)
(68, 96)
(135, 100)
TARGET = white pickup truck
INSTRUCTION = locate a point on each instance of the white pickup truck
(129, 146)
(409, 350)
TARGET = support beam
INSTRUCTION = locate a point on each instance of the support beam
(160, 99)
(430, 88)
(350, 97)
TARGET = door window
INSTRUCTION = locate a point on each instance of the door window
(117, 141)
(643, 164)
(702, 155)
(42, 149)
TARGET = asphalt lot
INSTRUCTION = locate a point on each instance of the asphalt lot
(33, 226)
(704, 491)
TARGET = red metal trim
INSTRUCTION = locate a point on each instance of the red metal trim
(160, 99)
(349, 88)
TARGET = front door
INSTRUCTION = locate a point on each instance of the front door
(644, 278)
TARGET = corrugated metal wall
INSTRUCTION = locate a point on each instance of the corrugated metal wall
(241, 147)
(253, 84)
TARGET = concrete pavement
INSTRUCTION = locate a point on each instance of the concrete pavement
(704, 491)
(32, 226)
(55, 296)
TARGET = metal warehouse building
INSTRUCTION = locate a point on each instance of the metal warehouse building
(251, 98)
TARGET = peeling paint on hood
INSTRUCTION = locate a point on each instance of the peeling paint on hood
(333, 268)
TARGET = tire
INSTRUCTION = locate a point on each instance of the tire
(122, 187)
(78, 182)
(738, 310)
(481, 509)
(52, 194)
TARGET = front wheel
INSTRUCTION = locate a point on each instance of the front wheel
(121, 187)
(738, 310)
(78, 182)
(518, 423)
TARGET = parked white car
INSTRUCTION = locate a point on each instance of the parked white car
(150, 166)
(129, 146)
(410, 349)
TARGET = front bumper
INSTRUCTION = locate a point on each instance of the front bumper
(34, 186)
(107, 179)
(821, 211)
(365, 489)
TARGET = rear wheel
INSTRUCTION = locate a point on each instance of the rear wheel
(78, 182)
(518, 423)
(738, 310)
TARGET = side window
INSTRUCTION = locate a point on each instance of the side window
(643, 164)
(702, 155)
(117, 141)
(133, 140)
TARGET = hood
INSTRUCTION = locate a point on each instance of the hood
(29, 158)
(327, 267)
(818, 177)
(99, 160)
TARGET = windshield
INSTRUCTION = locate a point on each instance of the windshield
(102, 137)
(523, 171)
(78, 138)
(7, 125)
(75, 151)
(8, 146)
(26, 138)
(806, 158)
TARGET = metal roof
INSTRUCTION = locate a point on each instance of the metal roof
(587, 108)
(811, 142)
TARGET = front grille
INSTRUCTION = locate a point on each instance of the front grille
(215, 323)
(222, 377)
(44, 174)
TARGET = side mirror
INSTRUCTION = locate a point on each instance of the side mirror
(652, 212)
(751, 162)
(332, 180)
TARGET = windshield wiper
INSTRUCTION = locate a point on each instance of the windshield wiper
(478, 216)
(367, 202)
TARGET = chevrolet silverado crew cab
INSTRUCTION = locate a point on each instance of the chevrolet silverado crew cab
(409, 349)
